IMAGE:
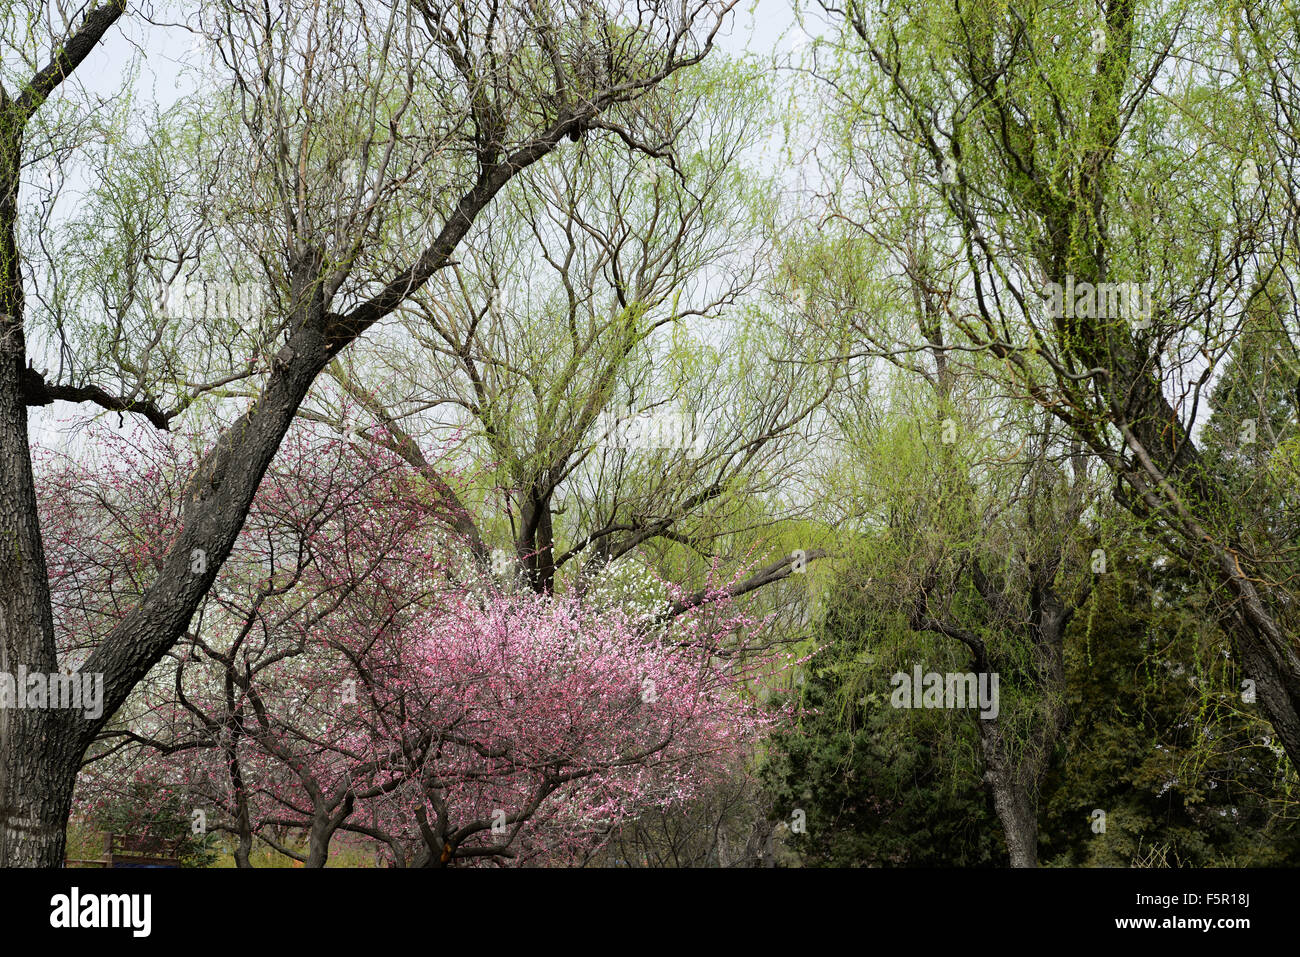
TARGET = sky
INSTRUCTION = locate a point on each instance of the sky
(755, 26)
(760, 26)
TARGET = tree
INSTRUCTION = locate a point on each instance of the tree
(969, 506)
(345, 676)
(867, 784)
(606, 357)
(1167, 739)
(1114, 240)
(447, 103)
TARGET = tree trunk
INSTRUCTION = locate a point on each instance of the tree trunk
(244, 850)
(244, 828)
(1013, 803)
(36, 775)
(1269, 659)
(40, 750)
(38, 765)
(1015, 771)
(318, 841)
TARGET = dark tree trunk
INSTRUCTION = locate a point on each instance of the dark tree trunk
(38, 764)
(243, 825)
(38, 757)
(318, 841)
(1015, 770)
(1013, 799)
(535, 547)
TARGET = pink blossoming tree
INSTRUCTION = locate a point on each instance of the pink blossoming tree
(349, 674)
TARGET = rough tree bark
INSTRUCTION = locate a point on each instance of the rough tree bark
(37, 746)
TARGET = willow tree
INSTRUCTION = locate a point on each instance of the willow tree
(608, 353)
(1121, 195)
(972, 523)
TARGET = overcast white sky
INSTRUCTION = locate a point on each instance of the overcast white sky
(760, 26)
(756, 26)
